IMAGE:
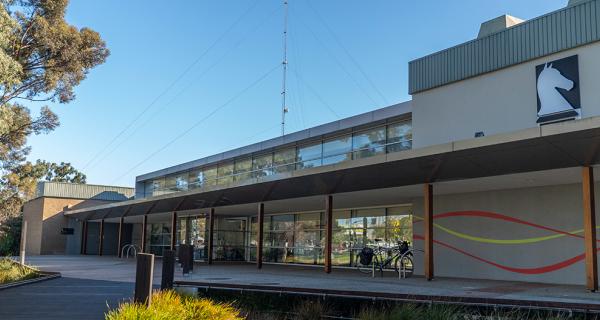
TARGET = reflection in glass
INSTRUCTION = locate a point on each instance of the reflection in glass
(368, 143)
(309, 156)
(283, 160)
(242, 169)
(262, 165)
(225, 174)
(337, 150)
(399, 136)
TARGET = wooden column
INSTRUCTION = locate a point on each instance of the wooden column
(211, 233)
(260, 235)
(84, 225)
(328, 231)
(428, 229)
(173, 230)
(589, 227)
(101, 238)
(120, 239)
(144, 227)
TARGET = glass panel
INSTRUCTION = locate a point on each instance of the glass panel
(160, 237)
(195, 179)
(399, 136)
(262, 165)
(368, 143)
(242, 169)
(230, 239)
(343, 238)
(158, 186)
(337, 150)
(310, 156)
(399, 224)
(225, 173)
(209, 176)
(198, 237)
(283, 160)
(181, 182)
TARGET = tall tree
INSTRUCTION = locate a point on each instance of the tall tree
(42, 58)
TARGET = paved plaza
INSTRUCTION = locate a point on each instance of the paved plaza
(90, 285)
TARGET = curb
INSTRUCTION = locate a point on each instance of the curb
(45, 277)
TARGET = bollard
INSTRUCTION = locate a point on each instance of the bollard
(168, 269)
(184, 256)
(191, 257)
(143, 278)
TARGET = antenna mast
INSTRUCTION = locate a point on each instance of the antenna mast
(284, 108)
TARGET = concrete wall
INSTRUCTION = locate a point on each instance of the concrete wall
(73, 245)
(468, 245)
(497, 102)
(45, 221)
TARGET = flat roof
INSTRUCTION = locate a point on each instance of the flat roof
(366, 118)
(83, 191)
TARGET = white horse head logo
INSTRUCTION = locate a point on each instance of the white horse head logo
(551, 101)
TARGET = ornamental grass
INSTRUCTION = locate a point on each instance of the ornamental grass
(11, 271)
(170, 305)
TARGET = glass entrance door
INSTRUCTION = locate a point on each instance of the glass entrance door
(230, 239)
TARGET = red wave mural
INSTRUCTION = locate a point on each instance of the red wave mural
(492, 215)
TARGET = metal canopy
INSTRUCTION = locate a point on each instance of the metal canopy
(545, 148)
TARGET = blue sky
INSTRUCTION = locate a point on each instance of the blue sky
(188, 63)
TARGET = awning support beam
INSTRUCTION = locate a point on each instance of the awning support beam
(84, 226)
(120, 239)
(328, 231)
(260, 235)
(428, 229)
(101, 238)
(211, 233)
(173, 229)
(589, 226)
(144, 227)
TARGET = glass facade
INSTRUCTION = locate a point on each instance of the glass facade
(370, 142)
(159, 238)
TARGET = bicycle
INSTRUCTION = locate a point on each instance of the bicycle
(400, 257)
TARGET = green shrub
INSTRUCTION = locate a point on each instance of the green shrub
(310, 310)
(172, 306)
(12, 272)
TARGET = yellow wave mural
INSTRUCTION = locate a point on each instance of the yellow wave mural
(501, 241)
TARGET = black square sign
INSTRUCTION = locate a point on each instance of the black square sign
(557, 87)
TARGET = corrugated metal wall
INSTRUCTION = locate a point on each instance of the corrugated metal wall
(83, 191)
(560, 30)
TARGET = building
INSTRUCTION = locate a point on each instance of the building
(488, 170)
(49, 231)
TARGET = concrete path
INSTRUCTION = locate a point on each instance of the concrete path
(90, 285)
(88, 288)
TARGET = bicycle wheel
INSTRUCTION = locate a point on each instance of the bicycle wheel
(404, 266)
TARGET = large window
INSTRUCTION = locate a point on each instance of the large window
(243, 169)
(230, 239)
(355, 229)
(225, 174)
(299, 238)
(263, 165)
(192, 230)
(160, 238)
(337, 150)
(393, 137)
(284, 160)
(368, 143)
(310, 156)
(399, 136)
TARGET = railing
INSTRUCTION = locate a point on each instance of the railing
(273, 169)
(128, 248)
